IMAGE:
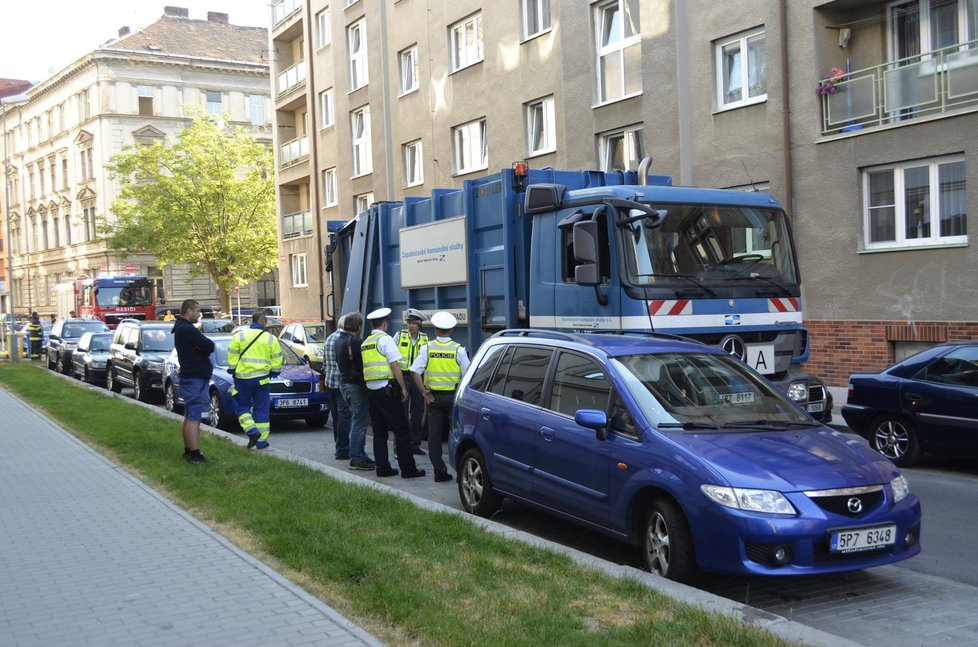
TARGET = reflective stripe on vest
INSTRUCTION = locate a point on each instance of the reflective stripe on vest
(443, 371)
(408, 350)
(375, 364)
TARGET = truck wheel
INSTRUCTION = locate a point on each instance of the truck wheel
(112, 381)
(475, 486)
(666, 543)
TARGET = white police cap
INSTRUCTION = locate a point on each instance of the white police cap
(443, 320)
(379, 313)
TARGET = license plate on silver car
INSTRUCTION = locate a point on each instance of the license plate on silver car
(851, 540)
(291, 403)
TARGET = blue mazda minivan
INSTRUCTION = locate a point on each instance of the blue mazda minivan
(678, 448)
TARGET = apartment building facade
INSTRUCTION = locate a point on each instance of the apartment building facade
(855, 113)
(133, 90)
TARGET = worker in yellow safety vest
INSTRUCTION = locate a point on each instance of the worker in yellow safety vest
(254, 358)
(409, 341)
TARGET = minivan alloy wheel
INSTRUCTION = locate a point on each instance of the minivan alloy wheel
(475, 486)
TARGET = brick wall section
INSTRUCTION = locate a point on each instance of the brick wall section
(841, 348)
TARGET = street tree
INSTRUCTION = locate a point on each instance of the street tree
(205, 198)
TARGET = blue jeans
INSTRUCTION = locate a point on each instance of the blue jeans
(341, 421)
(355, 397)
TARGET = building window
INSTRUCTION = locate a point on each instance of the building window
(86, 159)
(413, 164)
(362, 202)
(323, 28)
(330, 198)
(213, 99)
(40, 178)
(360, 136)
(64, 172)
(256, 110)
(541, 134)
(326, 117)
(296, 224)
(619, 39)
(470, 147)
(916, 204)
(56, 226)
(297, 263)
(356, 38)
(921, 26)
(408, 62)
(144, 95)
(741, 70)
(67, 229)
(88, 220)
(465, 42)
(536, 17)
(621, 150)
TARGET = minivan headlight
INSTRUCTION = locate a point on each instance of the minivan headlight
(901, 488)
(768, 501)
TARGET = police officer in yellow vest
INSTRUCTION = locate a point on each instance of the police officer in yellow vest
(408, 343)
(254, 357)
(387, 394)
(35, 335)
(443, 362)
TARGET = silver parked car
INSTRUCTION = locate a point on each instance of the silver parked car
(88, 358)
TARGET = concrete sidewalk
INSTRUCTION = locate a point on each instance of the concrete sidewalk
(89, 555)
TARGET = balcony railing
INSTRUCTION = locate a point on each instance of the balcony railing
(909, 88)
(296, 224)
(293, 151)
(292, 78)
(284, 9)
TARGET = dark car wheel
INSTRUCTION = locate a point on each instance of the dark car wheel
(170, 398)
(475, 486)
(112, 381)
(219, 418)
(51, 363)
(317, 422)
(87, 376)
(61, 366)
(140, 390)
(896, 438)
(666, 543)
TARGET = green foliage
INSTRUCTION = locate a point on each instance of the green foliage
(205, 198)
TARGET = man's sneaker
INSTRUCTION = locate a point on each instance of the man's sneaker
(365, 465)
(196, 458)
(386, 471)
(340, 456)
(441, 477)
(412, 475)
(262, 444)
(253, 437)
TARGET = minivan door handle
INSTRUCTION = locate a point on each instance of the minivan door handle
(547, 433)
(486, 413)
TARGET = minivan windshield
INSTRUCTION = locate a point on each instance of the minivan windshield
(705, 391)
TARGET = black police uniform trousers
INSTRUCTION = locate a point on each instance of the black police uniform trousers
(439, 425)
(387, 414)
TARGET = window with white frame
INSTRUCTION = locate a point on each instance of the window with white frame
(356, 40)
(408, 63)
(323, 28)
(470, 148)
(916, 204)
(144, 94)
(213, 102)
(619, 49)
(297, 263)
(413, 164)
(326, 116)
(256, 109)
(541, 134)
(622, 149)
(330, 199)
(465, 42)
(360, 136)
(920, 26)
(536, 17)
(362, 202)
(741, 70)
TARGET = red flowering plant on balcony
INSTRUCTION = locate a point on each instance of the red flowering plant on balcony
(829, 82)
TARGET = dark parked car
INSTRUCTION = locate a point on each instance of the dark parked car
(136, 357)
(296, 393)
(928, 403)
(679, 448)
(88, 360)
(63, 338)
(216, 325)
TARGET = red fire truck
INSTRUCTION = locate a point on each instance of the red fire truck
(109, 298)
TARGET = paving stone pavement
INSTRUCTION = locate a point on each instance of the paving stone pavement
(89, 555)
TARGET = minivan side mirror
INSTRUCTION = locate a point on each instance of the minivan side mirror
(593, 419)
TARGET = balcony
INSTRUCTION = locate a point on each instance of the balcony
(296, 224)
(293, 152)
(284, 9)
(923, 85)
(291, 79)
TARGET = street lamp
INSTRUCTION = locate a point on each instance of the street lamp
(13, 100)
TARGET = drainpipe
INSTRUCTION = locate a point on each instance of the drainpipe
(683, 80)
(786, 109)
(388, 119)
(313, 133)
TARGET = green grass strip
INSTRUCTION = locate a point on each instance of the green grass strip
(408, 575)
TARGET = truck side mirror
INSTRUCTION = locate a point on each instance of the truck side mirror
(588, 269)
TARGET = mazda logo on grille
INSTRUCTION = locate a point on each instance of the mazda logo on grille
(855, 505)
(735, 346)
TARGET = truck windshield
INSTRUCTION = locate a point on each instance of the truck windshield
(710, 246)
(128, 295)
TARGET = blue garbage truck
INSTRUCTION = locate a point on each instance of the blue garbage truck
(589, 251)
